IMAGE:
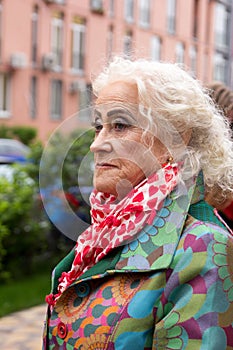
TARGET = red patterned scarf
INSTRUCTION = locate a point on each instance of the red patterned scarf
(115, 224)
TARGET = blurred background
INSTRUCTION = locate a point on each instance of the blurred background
(49, 50)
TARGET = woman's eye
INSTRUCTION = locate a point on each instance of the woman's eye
(120, 126)
(98, 128)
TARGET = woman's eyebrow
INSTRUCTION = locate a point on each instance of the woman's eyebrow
(120, 111)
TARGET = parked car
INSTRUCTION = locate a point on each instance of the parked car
(13, 151)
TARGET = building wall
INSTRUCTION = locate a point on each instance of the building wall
(16, 38)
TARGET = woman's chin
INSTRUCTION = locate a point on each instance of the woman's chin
(103, 186)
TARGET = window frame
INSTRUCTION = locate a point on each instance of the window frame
(193, 59)
(129, 11)
(220, 57)
(78, 38)
(5, 84)
(222, 28)
(156, 46)
(171, 16)
(33, 96)
(85, 100)
(180, 52)
(111, 10)
(56, 99)
(57, 37)
(144, 13)
(34, 35)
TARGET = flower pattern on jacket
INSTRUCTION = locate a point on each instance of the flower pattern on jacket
(146, 233)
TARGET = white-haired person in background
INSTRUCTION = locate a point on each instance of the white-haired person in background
(154, 269)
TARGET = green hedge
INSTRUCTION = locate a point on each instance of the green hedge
(25, 134)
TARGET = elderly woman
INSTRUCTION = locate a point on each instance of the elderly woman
(154, 269)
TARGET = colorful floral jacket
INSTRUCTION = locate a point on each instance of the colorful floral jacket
(171, 288)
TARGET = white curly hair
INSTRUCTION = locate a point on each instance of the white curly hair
(171, 99)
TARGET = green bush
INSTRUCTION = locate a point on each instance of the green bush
(5, 132)
(25, 134)
(32, 167)
(23, 227)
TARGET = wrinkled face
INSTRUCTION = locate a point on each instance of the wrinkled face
(122, 157)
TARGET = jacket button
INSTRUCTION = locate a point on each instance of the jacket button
(61, 330)
(83, 289)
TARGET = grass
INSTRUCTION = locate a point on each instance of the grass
(24, 293)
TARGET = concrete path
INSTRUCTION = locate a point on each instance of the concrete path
(23, 330)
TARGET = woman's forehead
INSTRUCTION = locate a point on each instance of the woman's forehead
(119, 91)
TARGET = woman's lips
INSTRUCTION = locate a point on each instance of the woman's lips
(105, 165)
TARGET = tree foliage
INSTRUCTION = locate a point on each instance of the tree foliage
(23, 226)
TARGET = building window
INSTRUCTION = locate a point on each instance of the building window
(110, 38)
(193, 60)
(78, 47)
(33, 97)
(144, 13)
(222, 25)
(220, 67)
(155, 48)
(196, 18)
(129, 10)
(180, 52)
(56, 99)
(57, 39)
(85, 99)
(97, 6)
(34, 38)
(111, 8)
(171, 16)
(4, 95)
(128, 44)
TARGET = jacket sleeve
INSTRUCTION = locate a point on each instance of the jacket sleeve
(196, 308)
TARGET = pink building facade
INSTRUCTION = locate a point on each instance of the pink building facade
(49, 49)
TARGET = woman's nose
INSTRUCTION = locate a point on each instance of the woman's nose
(101, 143)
